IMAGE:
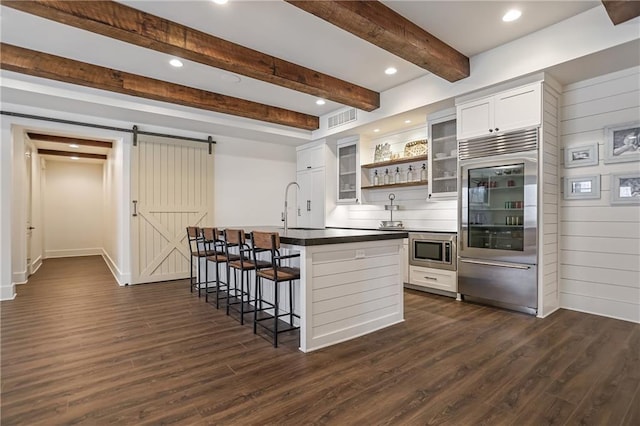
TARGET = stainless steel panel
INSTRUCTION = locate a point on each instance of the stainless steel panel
(509, 284)
(515, 142)
(442, 238)
(530, 209)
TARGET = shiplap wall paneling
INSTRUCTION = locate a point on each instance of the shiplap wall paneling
(355, 288)
(600, 243)
(548, 292)
(173, 187)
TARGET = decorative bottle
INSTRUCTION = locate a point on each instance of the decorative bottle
(410, 174)
(376, 179)
(387, 178)
(423, 172)
(396, 178)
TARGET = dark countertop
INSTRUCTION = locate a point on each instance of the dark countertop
(316, 237)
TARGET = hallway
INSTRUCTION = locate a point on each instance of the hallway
(77, 348)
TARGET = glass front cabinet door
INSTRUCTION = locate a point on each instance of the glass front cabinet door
(443, 154)
(348, 170)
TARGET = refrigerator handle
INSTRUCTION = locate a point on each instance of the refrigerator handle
(502, 265)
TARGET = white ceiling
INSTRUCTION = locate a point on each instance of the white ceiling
(284, 31)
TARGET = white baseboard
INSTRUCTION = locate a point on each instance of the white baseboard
(121, 278)
(49, 254)
(8, 292)
(19, 277)
(36, 264)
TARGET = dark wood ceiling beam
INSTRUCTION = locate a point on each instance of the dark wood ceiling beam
(66, 140)
(133, 26)
(44, 65)
(71, 154)
(380, 25)
(622, 11)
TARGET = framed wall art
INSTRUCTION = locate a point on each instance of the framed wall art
(622, 143)
(580, 156)
(582, 187)
(625, 188)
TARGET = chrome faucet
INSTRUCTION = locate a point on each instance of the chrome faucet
(285, 214)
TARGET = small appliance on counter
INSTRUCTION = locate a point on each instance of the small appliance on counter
(391, 224)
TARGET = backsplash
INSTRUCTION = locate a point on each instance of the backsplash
(419, 215)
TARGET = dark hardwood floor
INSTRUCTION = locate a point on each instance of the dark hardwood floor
(77, 348)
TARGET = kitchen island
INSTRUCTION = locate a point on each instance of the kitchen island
(350, 282)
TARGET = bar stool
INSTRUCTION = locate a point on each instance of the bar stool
(215, 254)
(197, 251)
(244, 264)
(277, 273)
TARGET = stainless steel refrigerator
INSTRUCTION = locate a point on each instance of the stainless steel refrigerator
(497, 249)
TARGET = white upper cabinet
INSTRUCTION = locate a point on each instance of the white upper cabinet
(503, 112)
(310, 157)
(443, 154)
(348, 179)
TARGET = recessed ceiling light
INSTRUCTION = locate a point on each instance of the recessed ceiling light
(75, 158)
(176, 63)
(407, 121)
(376, 130)
(320, 102)
(220, 1)
(73, 145)
(390, 71)
(511, 15)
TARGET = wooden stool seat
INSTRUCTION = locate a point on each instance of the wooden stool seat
(271, 314)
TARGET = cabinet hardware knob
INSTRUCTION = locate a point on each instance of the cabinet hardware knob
(490, 130)
(497, 129)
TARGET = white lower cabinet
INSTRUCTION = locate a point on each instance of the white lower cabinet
(439, 279)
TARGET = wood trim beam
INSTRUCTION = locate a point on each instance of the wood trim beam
(124, 23)
(71, 154)
(68, 141)
(621, 11)
(44, 65)
(380, 25)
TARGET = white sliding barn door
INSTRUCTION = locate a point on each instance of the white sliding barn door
(172, 188)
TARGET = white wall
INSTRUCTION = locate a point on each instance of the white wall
(115, 198)
(73, 209)
(37, 234)
(250, 179)
(600, 243)
(7, 289)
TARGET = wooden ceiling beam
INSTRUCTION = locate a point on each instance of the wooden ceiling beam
(44, 65)
(380, 25)
(124, 23)
(68, 141)
(621, 11)
(71, 154)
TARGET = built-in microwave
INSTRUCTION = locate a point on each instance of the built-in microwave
(433, 250)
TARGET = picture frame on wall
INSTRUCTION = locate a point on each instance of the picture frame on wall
(580, 156)
(582, 187)
(622, 143)
(625, 188)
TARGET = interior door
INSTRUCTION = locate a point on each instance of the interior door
(172, 188)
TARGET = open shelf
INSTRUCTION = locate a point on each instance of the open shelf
(394, 162)
(397, 185)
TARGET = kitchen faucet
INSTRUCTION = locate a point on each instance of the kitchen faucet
(284, 215)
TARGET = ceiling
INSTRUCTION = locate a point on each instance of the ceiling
(284, 31)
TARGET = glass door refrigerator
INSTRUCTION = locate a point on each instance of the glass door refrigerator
(497, 253)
